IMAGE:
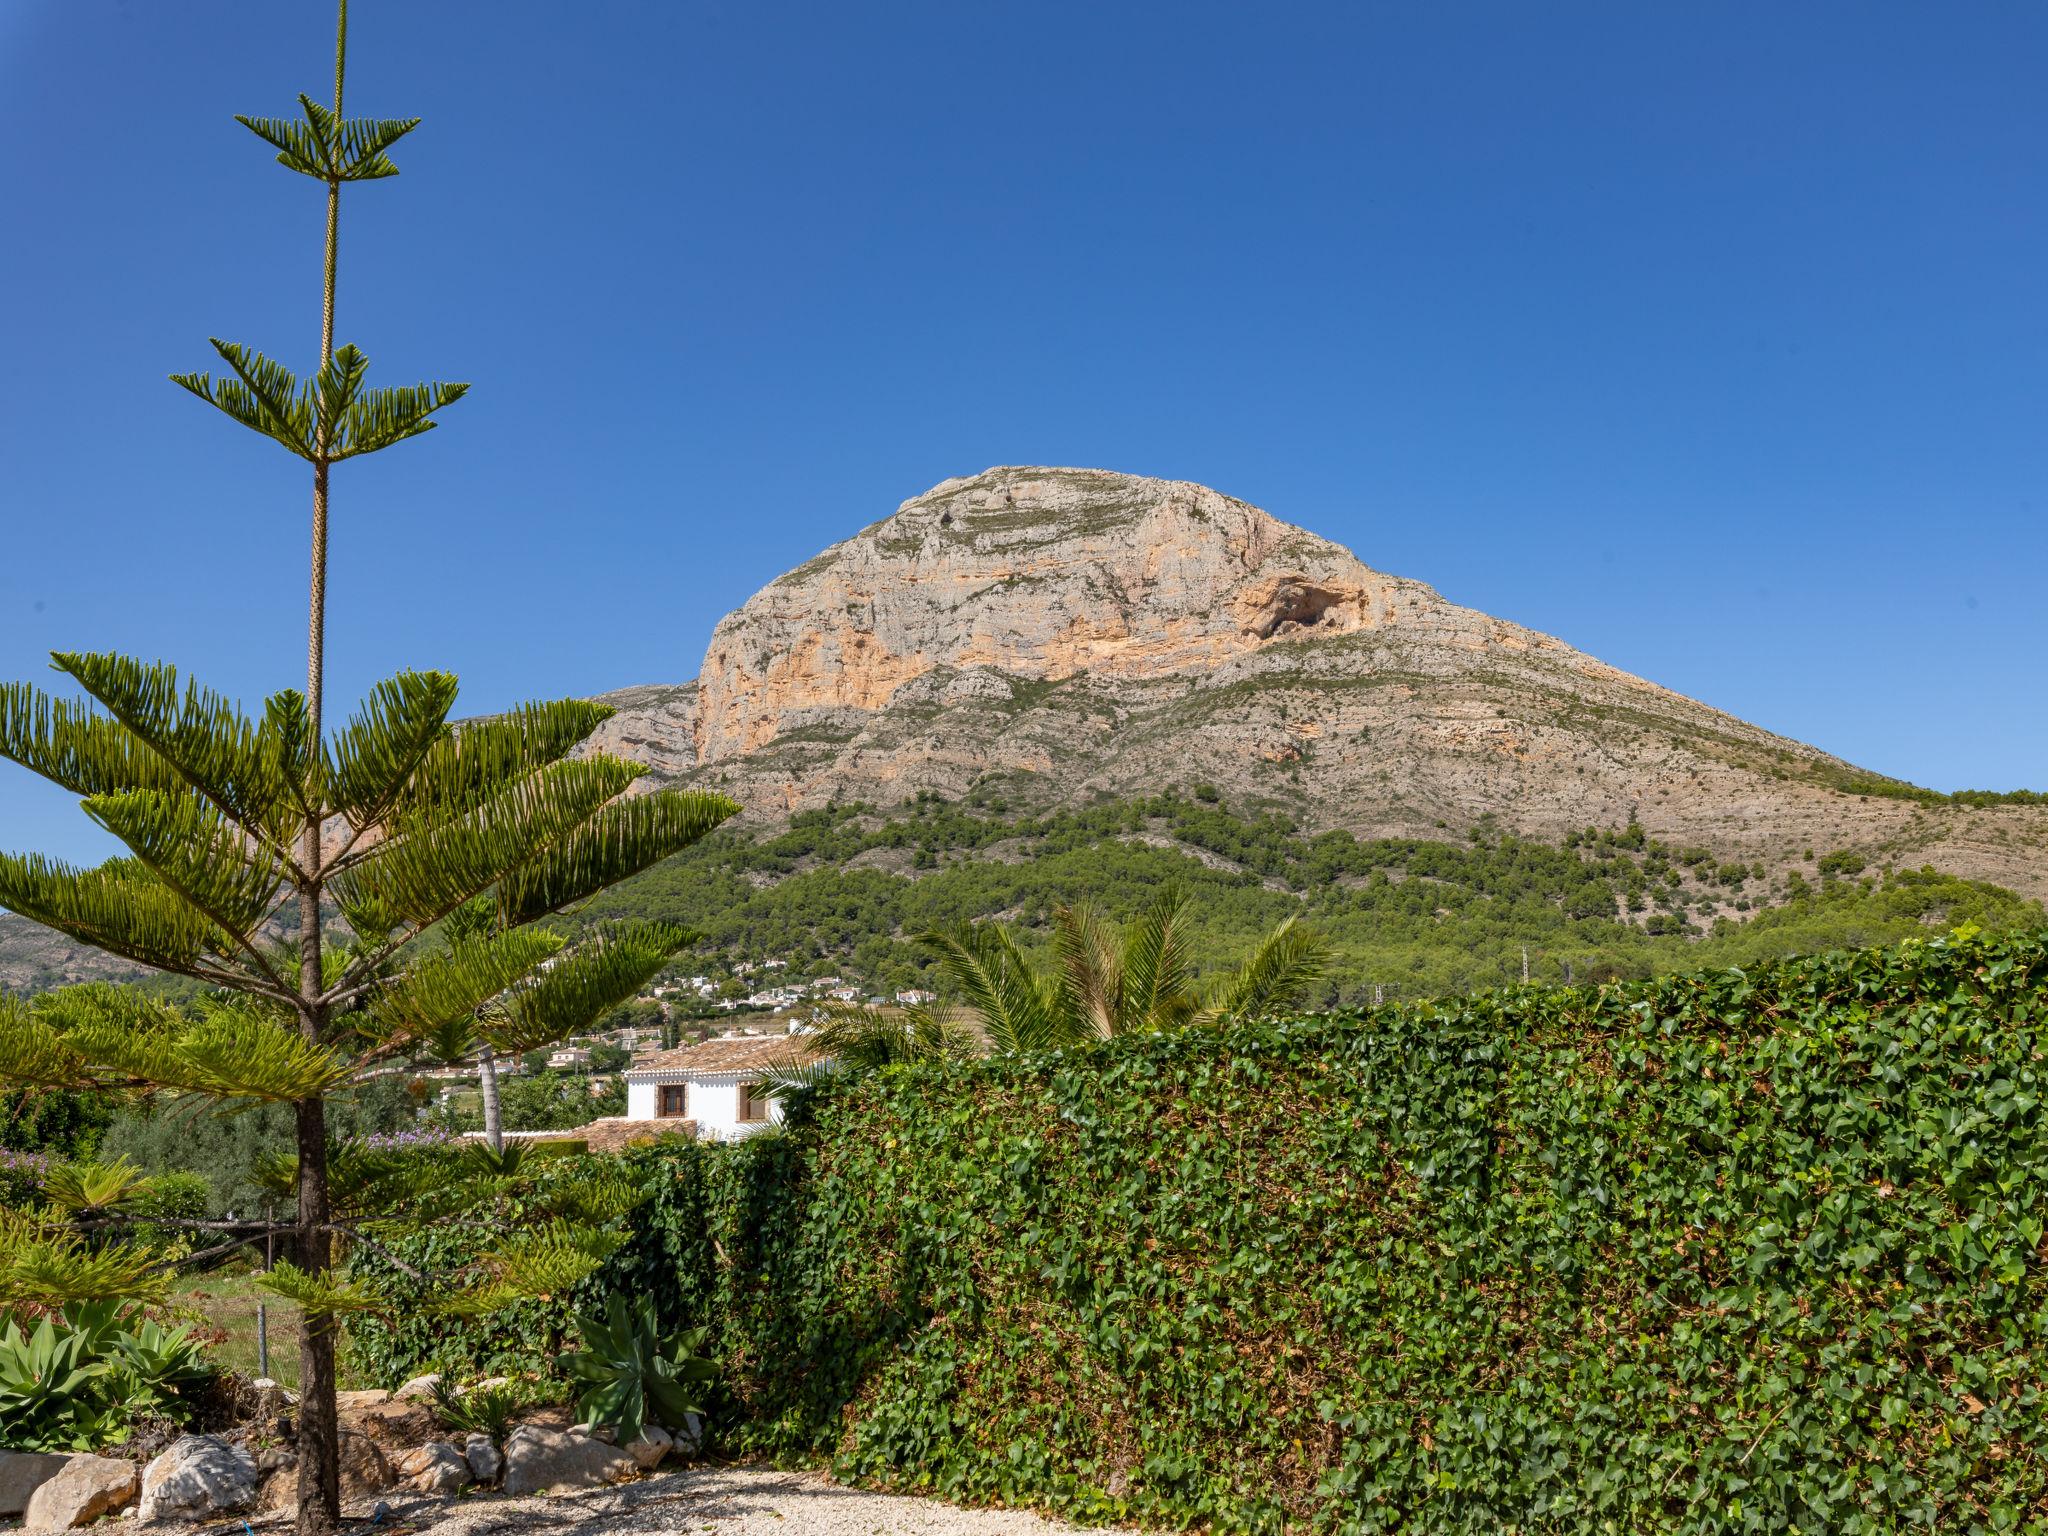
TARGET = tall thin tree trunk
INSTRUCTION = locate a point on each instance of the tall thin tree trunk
(487, 1084)
(319, 1432)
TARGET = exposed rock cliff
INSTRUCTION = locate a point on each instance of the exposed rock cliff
(1058, 633)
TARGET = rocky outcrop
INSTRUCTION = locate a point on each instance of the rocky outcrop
(1052, 634)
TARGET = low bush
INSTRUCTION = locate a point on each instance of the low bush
(1723, 1252)
(84, 1379)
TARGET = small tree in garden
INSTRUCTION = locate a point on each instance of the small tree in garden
(1106, 981)
(351, 898)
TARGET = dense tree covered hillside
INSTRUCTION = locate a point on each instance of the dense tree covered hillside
(849, 889)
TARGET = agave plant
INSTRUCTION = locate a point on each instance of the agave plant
(76, 1382)
(633, 1373)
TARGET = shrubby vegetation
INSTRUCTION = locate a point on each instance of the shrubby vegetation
(1406, 917)
(1724, 1252)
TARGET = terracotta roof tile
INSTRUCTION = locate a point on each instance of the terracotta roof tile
(741, 1055)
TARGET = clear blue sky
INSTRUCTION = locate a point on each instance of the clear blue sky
(1712, 338)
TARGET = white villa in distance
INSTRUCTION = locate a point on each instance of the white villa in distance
(715, 1084)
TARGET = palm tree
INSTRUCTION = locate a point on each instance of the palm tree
(1105, 982)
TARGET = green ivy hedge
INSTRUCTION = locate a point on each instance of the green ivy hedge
(1720, 1253)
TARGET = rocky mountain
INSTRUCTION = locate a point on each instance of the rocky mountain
(1046, 636)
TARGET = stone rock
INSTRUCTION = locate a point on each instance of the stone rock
(437, 1467)
(653, 1444)
(690, 1438)
(539, 1460)
(365, 1469)
(486, 1384)
(485, 1461)
(395, 1425)
(356, 1402)
(279, 1490)
(86, 1488)
(420, 1389)
(22, 1473)
(200, 1476)
(1078, 630)
(271, 1401)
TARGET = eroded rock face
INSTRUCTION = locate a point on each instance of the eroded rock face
(199, 1477)
(1035, 573)
(1059, 633)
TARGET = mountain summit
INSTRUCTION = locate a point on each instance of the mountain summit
(1048, 636)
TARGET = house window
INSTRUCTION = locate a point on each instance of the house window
(674, 1096)
(753, 1103)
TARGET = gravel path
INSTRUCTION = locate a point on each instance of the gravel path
(724, 1501)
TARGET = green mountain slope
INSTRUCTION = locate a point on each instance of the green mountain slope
(847, 889)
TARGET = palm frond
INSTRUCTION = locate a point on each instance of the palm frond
(1276, 978)
(85, 1188)
(1013, 1010)
(1157, 974)
(618, 841)
(1090, 971)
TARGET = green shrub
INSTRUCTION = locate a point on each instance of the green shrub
(485, 1410)
(1724, 1252)
(631, 1372)
(82, 1380)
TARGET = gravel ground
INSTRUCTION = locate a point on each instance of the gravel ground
(725, 1501)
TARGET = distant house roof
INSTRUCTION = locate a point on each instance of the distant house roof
(744, 1054)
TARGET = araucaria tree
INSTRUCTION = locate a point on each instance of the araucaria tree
(308, 878)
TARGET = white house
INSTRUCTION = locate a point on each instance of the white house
(716, 1084)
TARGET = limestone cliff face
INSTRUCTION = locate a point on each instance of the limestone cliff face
(1049, 574)
(1058, 634)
